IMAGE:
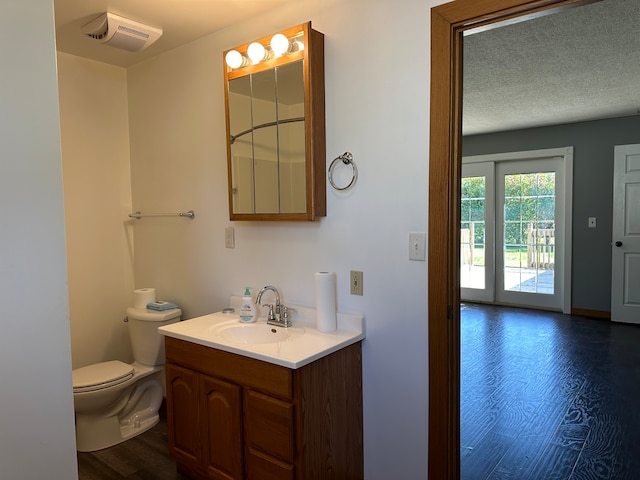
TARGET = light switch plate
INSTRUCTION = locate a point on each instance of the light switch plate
(417, 246)
(592, 222)
(229, 237)
(355, 280)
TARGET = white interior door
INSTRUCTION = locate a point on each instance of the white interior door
(625, 257)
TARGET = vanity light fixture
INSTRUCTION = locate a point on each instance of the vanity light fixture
(235, 59)
(257, 52)
(280, 44)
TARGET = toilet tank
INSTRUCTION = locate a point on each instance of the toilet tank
(147, 344)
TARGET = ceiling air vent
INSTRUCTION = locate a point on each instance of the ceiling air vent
(120, 32)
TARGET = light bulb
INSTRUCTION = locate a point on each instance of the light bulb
(256, 52)
(280, 44)
(235, 59)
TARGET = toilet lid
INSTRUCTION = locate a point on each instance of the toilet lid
(101, 375)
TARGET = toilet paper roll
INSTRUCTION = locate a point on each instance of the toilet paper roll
(326, 311)
(143, 297)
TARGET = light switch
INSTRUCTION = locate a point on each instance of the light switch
(592, 222)
(356, 282)
(417, 246)
(229, 238)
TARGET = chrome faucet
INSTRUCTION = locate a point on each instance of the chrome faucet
(278, 314)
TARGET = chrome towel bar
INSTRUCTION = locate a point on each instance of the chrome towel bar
(190, 214)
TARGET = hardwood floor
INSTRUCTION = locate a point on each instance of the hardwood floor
(548, 396)
(145, 457)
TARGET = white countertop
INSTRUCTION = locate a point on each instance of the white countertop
(304, 345)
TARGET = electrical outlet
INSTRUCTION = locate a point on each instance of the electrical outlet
(229, 238)
(356, 283)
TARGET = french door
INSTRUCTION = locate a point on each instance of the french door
(477, 232)
(515, 209)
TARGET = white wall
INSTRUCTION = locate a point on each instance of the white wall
(97, 191)
(377, 104)
(36, 419)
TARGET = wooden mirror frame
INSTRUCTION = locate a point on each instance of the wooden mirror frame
(314, 112)
(448, 22)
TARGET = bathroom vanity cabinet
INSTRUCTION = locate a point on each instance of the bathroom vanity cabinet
(235, 417)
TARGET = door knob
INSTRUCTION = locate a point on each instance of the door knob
(618, 243)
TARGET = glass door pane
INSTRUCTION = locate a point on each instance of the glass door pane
(472, 229)
(529, 232)
(477, 232)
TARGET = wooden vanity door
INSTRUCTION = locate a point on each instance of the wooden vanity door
(182, 415)
(222, 428)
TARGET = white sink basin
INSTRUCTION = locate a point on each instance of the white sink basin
(254, 333)
(292, 347)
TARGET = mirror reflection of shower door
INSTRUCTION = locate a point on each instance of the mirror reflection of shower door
(512, 231)
(477, 239)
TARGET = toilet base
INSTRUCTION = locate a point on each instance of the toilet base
(107, 432)
(136, 413)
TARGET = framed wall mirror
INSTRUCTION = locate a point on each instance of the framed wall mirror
(275, 116)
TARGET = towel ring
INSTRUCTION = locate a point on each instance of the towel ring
(347, 159)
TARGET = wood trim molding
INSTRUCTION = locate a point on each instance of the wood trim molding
(585, 312)
(444, 346)
(448, 22)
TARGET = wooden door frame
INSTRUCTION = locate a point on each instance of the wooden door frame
(448, 22)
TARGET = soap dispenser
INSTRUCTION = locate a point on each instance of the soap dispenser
(248, 311)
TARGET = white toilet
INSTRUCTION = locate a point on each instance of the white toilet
(115, 401)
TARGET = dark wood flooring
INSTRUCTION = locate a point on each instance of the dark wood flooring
(144, 457)
(548, 396)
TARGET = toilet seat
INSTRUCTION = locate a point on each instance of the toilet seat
(101, 375)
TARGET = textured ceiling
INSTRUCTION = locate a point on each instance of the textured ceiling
(581, 64)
